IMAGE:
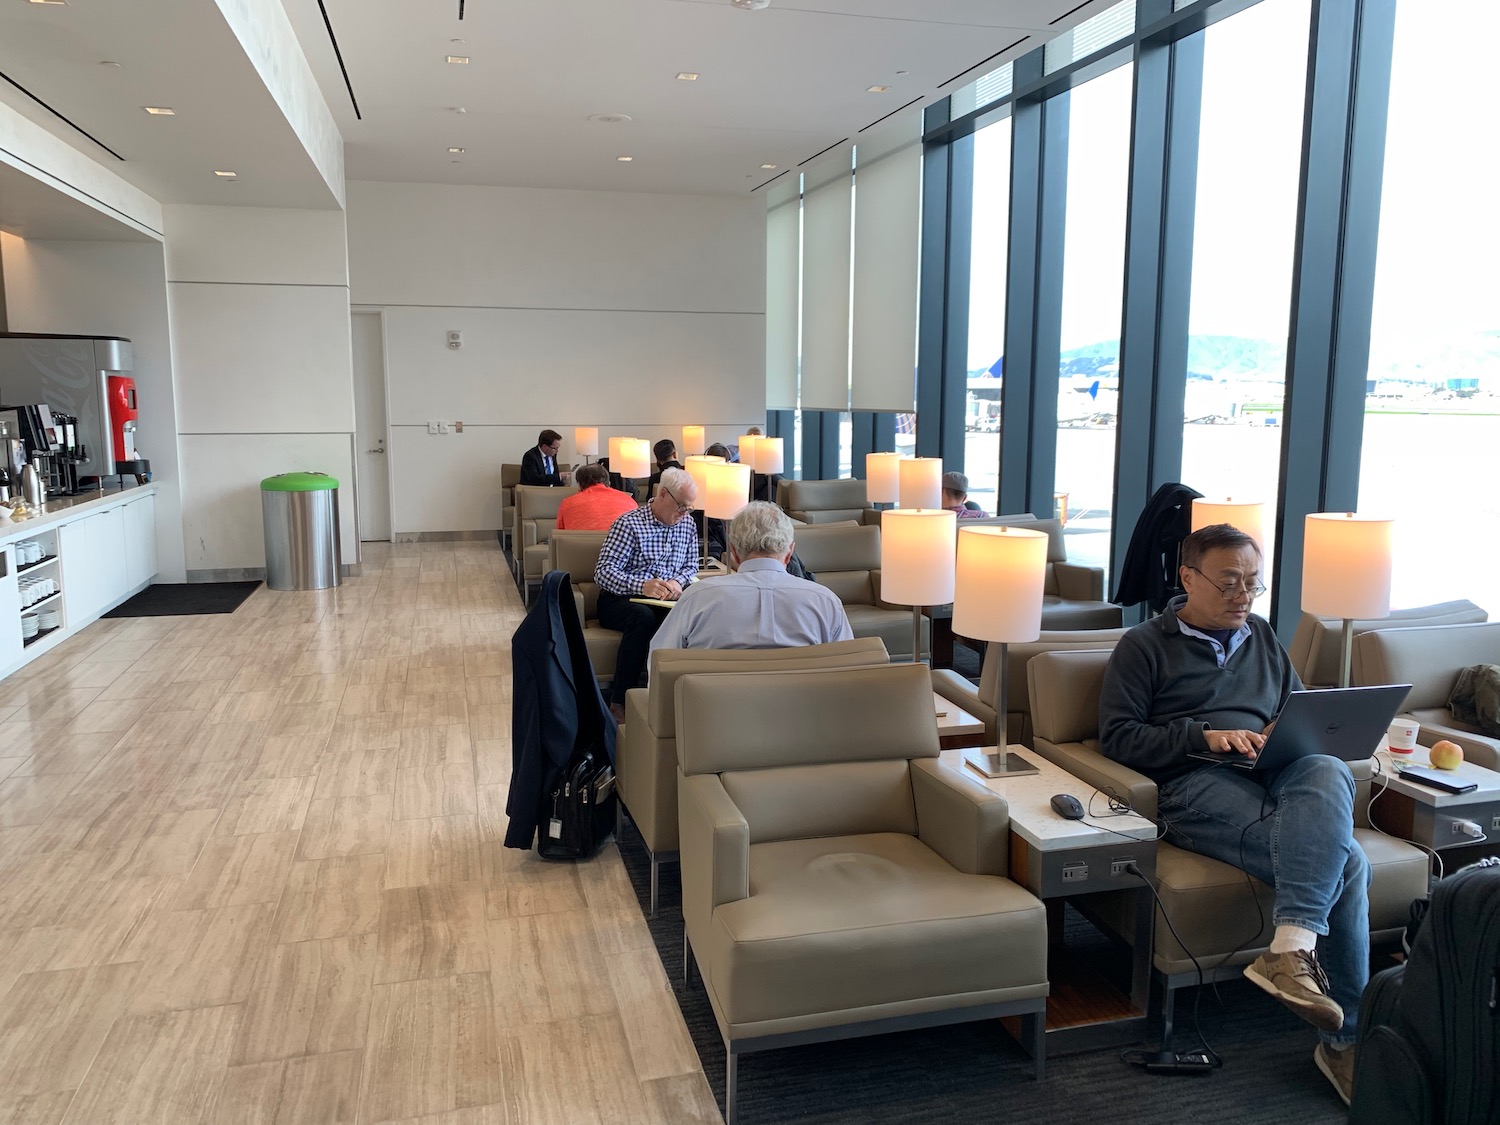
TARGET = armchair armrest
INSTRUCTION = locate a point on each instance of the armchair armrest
(960, 819)
(529, 539)
(1090, 766)
(578, 599)
(956, 689)
(714, 849)
(1079, 583)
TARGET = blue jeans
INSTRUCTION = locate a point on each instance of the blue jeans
(1294, 830)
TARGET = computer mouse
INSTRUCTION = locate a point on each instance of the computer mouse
(1067, 806)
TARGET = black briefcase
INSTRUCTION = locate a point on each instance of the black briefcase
(578, 809)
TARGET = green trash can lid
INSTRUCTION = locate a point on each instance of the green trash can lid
(298, 482)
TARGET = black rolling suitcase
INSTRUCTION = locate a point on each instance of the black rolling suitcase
(1429, 1053)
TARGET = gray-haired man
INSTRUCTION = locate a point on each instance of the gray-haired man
(760, 605)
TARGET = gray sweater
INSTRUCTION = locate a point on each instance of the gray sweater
(1163, 689)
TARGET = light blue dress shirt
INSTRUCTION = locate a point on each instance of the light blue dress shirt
(758, 606)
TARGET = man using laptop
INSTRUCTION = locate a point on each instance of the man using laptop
(1207, 675)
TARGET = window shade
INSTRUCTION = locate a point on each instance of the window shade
(783, 254)
(827, 214)
(887, 230)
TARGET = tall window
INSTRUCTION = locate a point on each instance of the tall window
(987, 262)
(1432, 406)
(1249, 152)
(1093, 287)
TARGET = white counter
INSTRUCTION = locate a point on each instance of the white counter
(96, 551)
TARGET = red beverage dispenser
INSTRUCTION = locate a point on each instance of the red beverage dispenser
(119, 398)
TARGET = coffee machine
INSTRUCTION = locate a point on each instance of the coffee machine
(86, 385)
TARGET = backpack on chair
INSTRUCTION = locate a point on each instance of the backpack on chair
(1428, 1048)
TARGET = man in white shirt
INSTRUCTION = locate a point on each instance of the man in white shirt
(760, 605)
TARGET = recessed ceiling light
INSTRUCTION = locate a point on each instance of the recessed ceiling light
(767, 167)
(160, 110)
(108, 62)
(59, 3)
(751, 5)
(903, 72)
(877, 89)
(457, 150)
(624, 159)
(687, 76)
(460, 60)
(610, 118)
(225, 174)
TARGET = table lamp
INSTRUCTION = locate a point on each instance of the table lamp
(916, 562)
(883, 477)
(728, 490)
(1001, 572)
(692, 440)
(1346, 572)
(614, 454)
(1247, 515)
(635, 458)
(920, 482)
(697, 467)
(769, 456)
(747, 449)
(586, 438)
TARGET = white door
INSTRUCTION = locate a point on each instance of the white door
(374, 492)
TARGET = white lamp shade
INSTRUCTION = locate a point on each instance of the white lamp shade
(1346, 565)
(883, 477)
(586, 438)
(614, 453)
(635, 458)
(916, 556)
(1247, 515)
(921, 483)
(697, 468)
(728, 490)
(747, 449)
(769, 457)
(998, 592)
(692, 440)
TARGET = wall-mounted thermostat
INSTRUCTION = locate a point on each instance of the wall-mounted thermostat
(455, 340)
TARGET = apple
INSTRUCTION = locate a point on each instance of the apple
(1446, 755)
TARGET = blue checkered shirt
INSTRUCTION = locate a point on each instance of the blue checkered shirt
(639, 547)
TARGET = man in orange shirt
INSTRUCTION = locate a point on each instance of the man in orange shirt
(595, 506)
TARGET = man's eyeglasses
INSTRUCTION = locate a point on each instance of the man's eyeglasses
(1233, 591)
(682, 509)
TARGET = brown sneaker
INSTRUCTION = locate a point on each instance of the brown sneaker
(1338, 1068)
(1298, 981)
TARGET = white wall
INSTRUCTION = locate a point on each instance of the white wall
(111, 289)
(634, 312)
(259, 304)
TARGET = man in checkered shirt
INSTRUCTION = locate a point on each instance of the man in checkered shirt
(651, 552)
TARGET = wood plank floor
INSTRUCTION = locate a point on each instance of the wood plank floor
(251, 872)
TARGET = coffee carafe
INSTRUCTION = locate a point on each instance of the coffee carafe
(33, 491)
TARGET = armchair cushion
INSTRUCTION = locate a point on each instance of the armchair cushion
(794, 802)
(835, 925)
(825, 501)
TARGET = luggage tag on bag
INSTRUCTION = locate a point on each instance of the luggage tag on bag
(554, 828)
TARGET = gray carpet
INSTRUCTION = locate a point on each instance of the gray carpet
(975, 1072)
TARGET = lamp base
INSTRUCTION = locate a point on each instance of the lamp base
(998, 765)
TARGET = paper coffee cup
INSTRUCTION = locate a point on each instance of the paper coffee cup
(1402, 735)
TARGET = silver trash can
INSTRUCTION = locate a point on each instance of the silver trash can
(301, 514)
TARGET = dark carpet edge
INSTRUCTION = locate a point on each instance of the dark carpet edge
(182, 599)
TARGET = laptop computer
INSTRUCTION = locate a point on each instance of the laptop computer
(1344, 722)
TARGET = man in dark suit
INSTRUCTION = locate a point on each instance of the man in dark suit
(539, 465)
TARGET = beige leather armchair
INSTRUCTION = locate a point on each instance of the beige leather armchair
(828, 501)
(846, 559)
(1430, 659)
(576, 552)
(646, 751)
(1316, 645)
(536, 515)
(510, 476)
(836, 881)
(1208, 901)
(979, 701)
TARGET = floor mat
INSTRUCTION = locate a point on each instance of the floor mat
(183, 598)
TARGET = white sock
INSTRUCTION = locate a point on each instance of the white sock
(1290, 938)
